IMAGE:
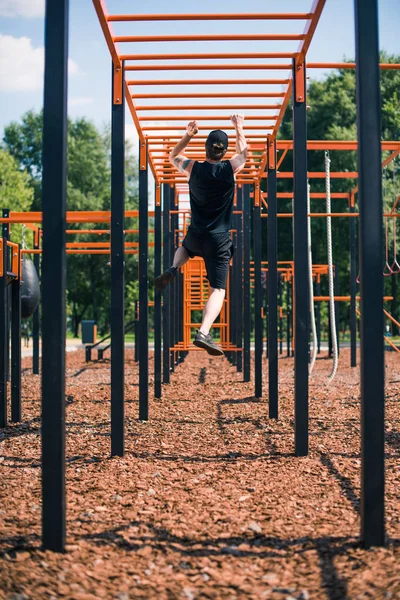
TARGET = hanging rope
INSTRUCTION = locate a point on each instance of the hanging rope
(395, 268)
(330, 267)
(23, 237)
(387, 271)
(311, 287)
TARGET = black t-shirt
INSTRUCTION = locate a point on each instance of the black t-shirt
(211, 187)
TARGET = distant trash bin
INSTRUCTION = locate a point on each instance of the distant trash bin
(89, 332)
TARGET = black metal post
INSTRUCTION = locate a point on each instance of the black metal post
(318, 318)
(166, 293)
(266, 314)
(272, 294)
(172, 284)
(288, 317)
(172, 294)
(6, 236)
(3, 334)
(16, 351)
(233, 297)
(246, 283)
(54, 179)
(143, 286)
(300, 259)
(239, 279)
(157, 303)
(280, 300)
(336, 293)
(371, 273)
(36, 318)
(117, 272)
(258, 322)
(353, 291)
(136, 332)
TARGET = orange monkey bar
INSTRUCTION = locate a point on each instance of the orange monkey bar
(113, 39)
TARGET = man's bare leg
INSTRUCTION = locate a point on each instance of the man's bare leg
(212, 309)
(181, 257)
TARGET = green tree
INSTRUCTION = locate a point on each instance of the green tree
(88, 188)
(16, 191)
(332, 115)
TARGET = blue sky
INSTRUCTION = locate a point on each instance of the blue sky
(22, 30)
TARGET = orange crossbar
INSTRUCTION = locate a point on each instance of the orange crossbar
(384, 66)
(213, 56)
(211, 95)
(211, 107)
(212, 67)
(261, 37)
(218, 82)
(213, 17)
(203, 118)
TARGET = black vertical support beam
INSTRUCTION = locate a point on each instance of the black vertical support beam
(258, 322)
(166, 293)
(272, 294)
(136, 332)
(371, 278)
(246, 283)
(16, 350)
(117, 273)
(266, 313)
(157, 302)
(353, 291)
(172, 285)
(319, 318)
(7, 250)
(288, 317)
(180, 311)
(234, 298)
(280, 299)
(336, 293)
(239, 280)
(300, 259)
(143, 285)
(36, 319)
(54, 180)
(3, 334)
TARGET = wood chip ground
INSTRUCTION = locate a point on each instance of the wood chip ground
(209, 501)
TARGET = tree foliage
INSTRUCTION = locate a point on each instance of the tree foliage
(16, 191)
(88, 188)
(332, 116)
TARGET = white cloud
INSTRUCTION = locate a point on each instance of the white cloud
(80, 101)
(22, 8)
(22, 65)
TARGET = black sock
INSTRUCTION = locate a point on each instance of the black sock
(173, 270)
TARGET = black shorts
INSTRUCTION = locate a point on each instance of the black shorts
(216, 249)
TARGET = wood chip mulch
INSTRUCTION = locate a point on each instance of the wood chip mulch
(209, 500)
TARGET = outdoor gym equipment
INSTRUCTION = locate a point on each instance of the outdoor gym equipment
(30, 288)
(330, 269)
(153, 154)
(395, 267)
(314, 345)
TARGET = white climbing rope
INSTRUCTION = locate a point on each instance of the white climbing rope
(311, 287)
(330, 267)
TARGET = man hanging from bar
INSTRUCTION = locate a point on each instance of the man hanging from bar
(211, 188)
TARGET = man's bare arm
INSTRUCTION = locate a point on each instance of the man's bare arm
(178, 160)
(239, 159)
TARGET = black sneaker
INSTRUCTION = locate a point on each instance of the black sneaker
(165, 279)
(207, 343)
